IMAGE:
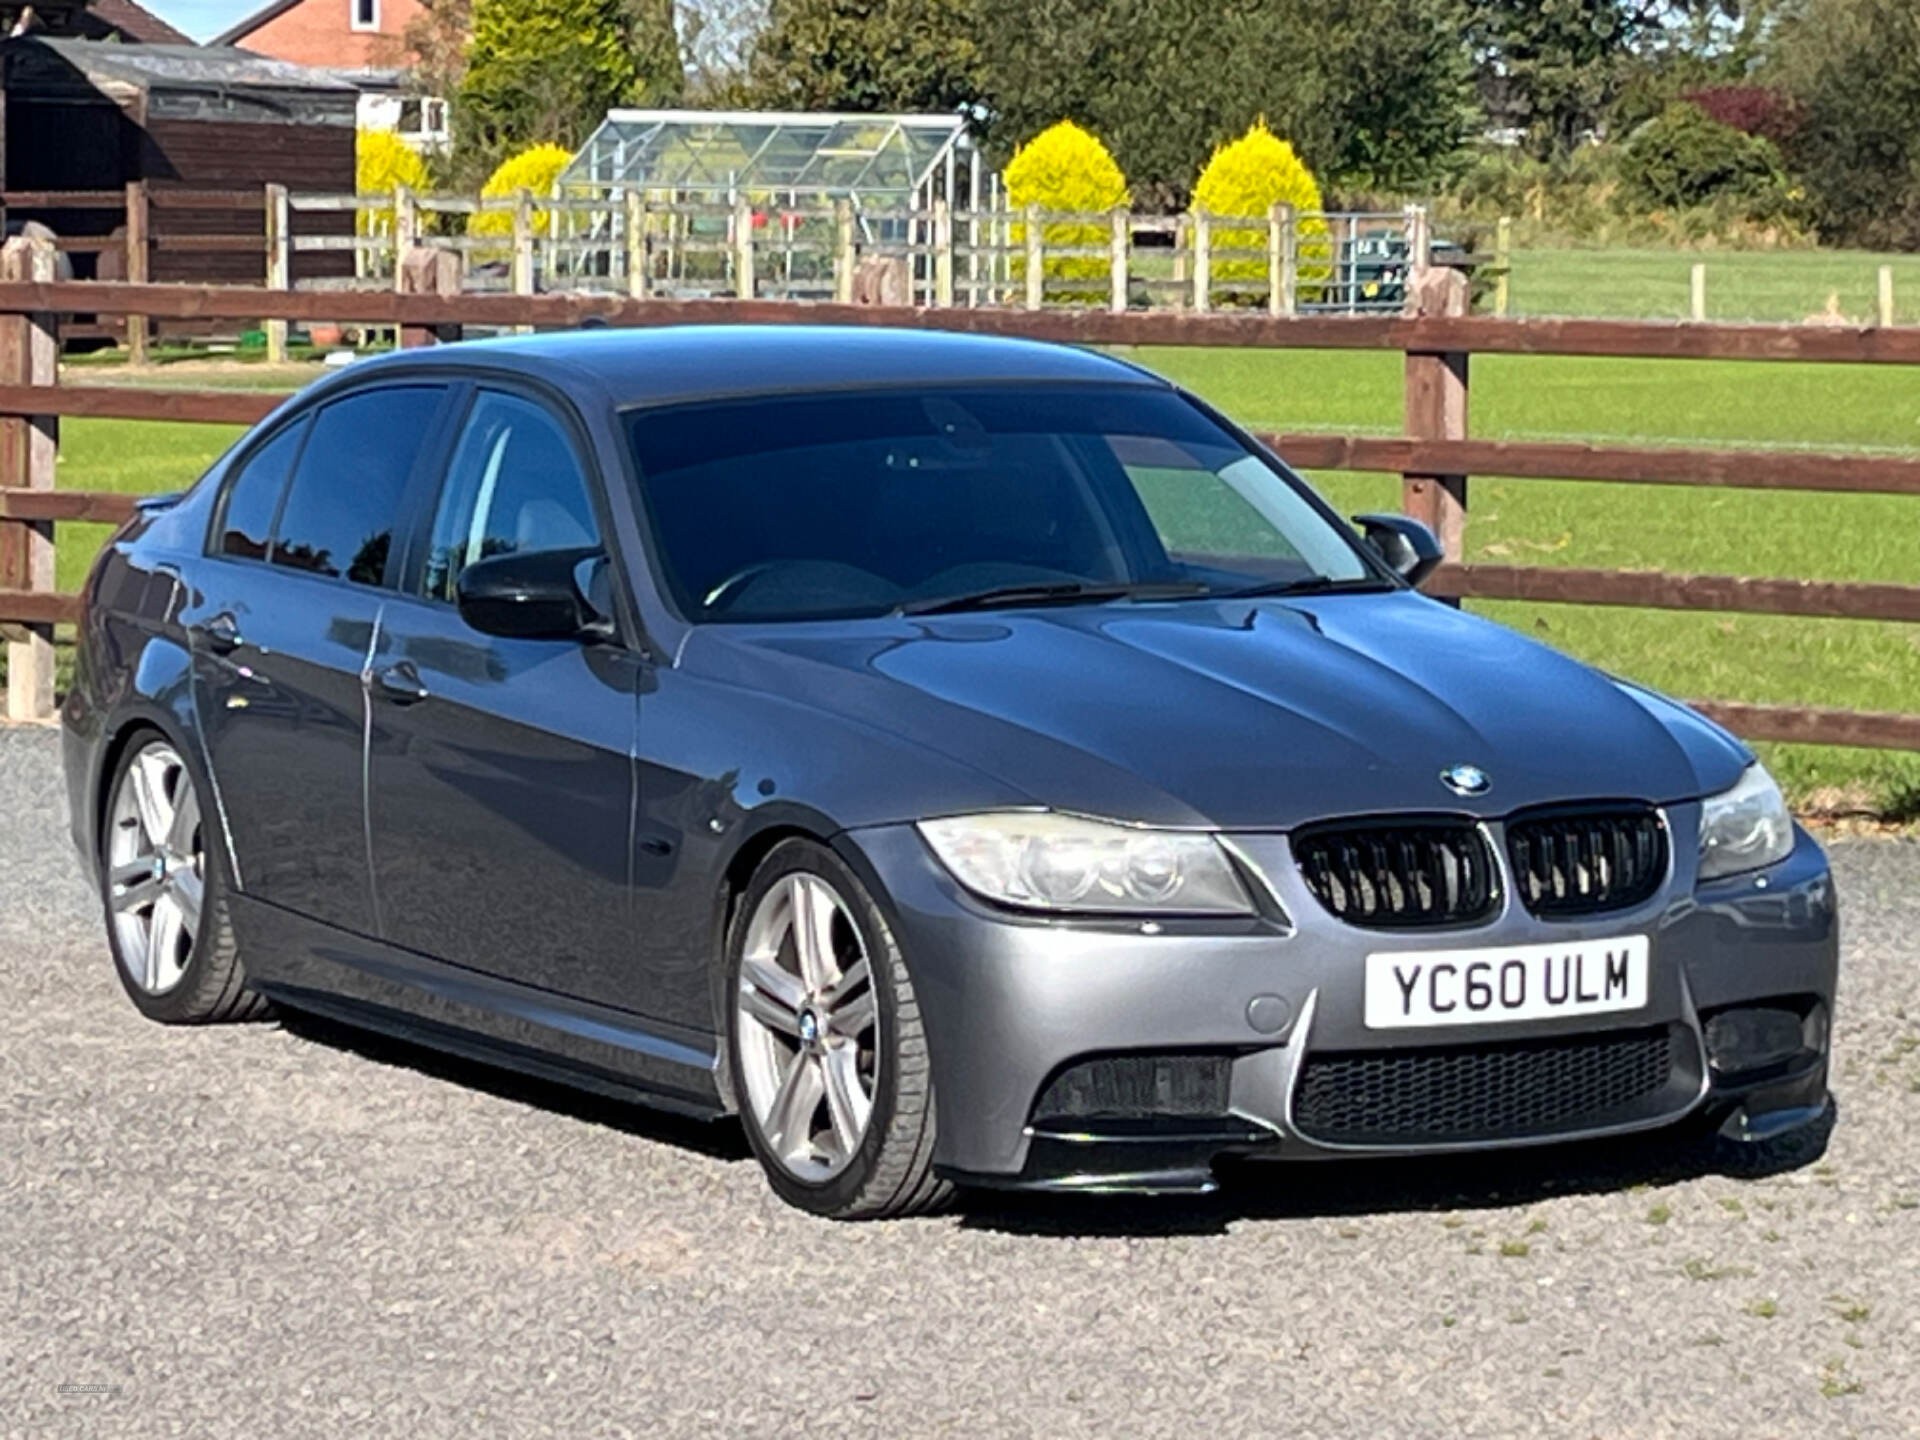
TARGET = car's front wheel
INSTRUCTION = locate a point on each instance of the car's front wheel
(165, 893)
(829, 1059)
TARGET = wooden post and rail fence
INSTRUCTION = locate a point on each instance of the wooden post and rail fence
(1434, 456)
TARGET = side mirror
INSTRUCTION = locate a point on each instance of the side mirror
(533, 595)
(1409, 548)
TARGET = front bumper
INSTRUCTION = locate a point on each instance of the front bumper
(1010, 1002)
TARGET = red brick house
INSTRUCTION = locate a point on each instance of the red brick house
(333, 34)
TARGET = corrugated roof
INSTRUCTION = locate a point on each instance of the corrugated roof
(196, 65)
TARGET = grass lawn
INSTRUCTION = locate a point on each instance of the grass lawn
(1783, 660)
(1787, 285)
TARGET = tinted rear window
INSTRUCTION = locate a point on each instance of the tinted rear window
(344, 503)
(246, 523)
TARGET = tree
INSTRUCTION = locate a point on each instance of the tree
(549, 70)
(868, 55)
(1371, 92)
(1561, 67)
(1854, 66)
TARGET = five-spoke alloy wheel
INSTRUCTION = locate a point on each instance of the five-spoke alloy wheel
(829, 1061)
(156, 867)
(806, 1027)
(165, 892)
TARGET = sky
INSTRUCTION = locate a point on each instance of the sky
(202, 19)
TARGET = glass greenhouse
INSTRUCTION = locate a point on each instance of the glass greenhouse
(880, 162)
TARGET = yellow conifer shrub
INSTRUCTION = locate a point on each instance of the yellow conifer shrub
(381, 163)
(1247, 178)
(535, 170)
(1065, 168)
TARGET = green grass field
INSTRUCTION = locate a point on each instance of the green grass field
(1782, 660)
(1783, 285)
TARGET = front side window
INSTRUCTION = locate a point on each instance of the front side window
(346, 495)
(253, 495)
(842, 505)
(515, 484)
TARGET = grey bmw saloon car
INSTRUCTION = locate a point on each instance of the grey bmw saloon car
(969, 761)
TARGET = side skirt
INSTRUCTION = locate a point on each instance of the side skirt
(309, 966)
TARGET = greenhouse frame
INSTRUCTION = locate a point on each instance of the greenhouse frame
(880, 162)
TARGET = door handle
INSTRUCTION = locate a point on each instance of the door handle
(400, 683)
(221, 634)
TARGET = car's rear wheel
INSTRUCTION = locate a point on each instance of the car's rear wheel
(165, 893)
(829, 1059)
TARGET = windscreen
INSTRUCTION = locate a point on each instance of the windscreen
(812, 506)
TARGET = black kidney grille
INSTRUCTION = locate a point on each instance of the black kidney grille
(1400, 875)
(1467, 1093)
(1583, 862)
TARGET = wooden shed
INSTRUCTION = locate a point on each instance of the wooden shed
(205, 129)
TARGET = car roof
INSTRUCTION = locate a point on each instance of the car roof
(682, 363)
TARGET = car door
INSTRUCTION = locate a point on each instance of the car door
(500, 771)
(282, 619)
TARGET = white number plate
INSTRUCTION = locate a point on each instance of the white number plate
(1413, 988)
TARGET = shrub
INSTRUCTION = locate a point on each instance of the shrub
(381, 162)
(1065, 168)
(535, 170)
(1248, 177)
(1761, 110)
(1684, 157)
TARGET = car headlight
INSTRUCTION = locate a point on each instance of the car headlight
(1043, 861)
(1744, 828)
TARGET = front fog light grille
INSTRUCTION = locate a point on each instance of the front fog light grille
(1137, 1087)
(1400, 875)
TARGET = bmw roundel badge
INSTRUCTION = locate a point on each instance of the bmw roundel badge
(1466, 780)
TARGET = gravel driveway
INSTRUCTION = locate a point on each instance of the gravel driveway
(264, 1231)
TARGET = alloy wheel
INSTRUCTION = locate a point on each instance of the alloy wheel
(156, 867)
(807, 1028)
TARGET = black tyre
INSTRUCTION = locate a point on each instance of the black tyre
(164, 889)
(828, 1056)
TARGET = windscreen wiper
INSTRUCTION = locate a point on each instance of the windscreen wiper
(1062, 592)
(1311, 585)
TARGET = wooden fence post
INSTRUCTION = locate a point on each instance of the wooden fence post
(1202, 261)
(1276, 258)
(279, 266)
(136, 325)
(843, 251)
(1036, 276)
(1419, 239)
(942, 252)
(1886, 296)
(1502, 264)
(1120, 223)
(743, 281)
(1436, 405)
(431, 270)
(636, 243)
(1698, 287)
(1288, 302)
(29, 449)
(522, 266)
(406, 228)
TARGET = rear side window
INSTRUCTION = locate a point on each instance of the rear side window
(344, 503)
(246, 523)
